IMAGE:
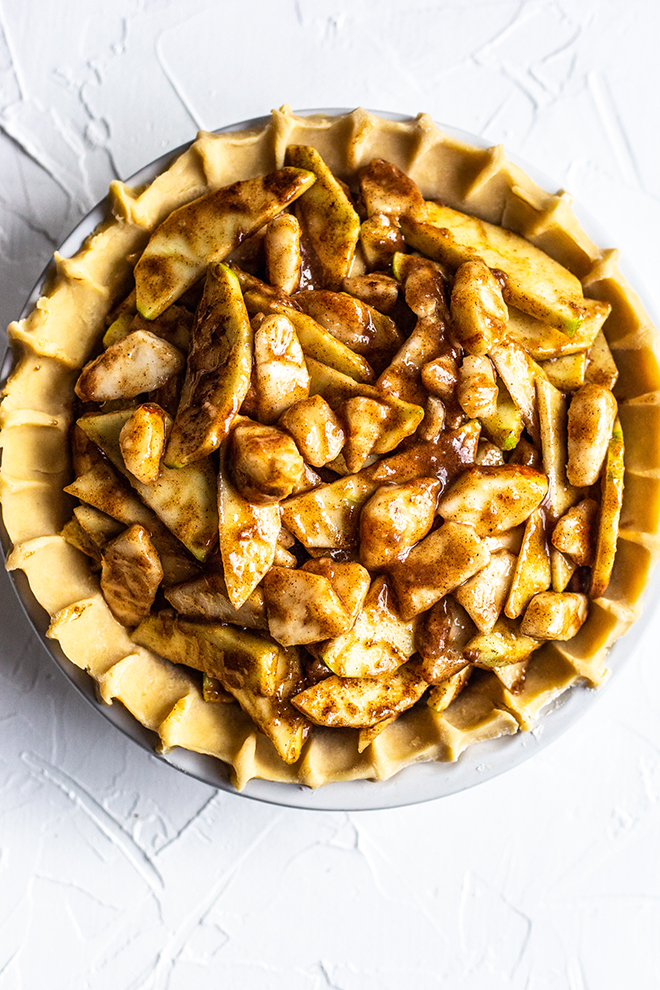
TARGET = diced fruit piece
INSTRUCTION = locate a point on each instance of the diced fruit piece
(444, 559)
(535, 283)
(601, 367)
(542, 341)
(357, 702)
(130, 575)
(137, 363)
(207, 597)
(205, 231)
(611, 500)
(506, 426)
(363, 329)
(532, 572)
(283, 259)
(348, 578)
(253, 670)
(375, 426)
(316, 342)
(440, 376)
(329, 222)
(142, 441)
(591, 416)
(386, 189)
(575, 533)
(553, 615)
(483, 596)
(440, 637)
(315, 428)
(394, 519)
(566, 373)
(380, 239)
(552, 424)
(441, 696)
(248, 537)
(444, 457)
(512, 676)
(478, 311)
(303, 607)
(489, 454)
(376, 290)
(265, 463)
(494, 499)
(403, 378)
(477, 390)
(328, 516)
(377, 643)
(424, 289)
(213, 691)
(217, 373)
(184, 500)
(281, 374)
(563, 568)
(433, 423)
(519, 373)
(504, 645)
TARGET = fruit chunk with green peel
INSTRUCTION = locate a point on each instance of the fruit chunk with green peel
(217, 372)
(248, 538)
(355, 323)
(494, 499)
(358, 702)
(505, 644)
(376, 426)
(478, 311)
(130, 575)
(205, 231)
(256, 672)
(441, 695)
(542, 342)
(330, 224)
(318, 433)
(328, 516)
(506, 426)
(184, 500)
(483, 596)
(532, 573)
(519, 373)
(611, 501)
(552, 406)
(139, 362)
(206, 597)
(378, 642)
(316, 342)
(535, 283)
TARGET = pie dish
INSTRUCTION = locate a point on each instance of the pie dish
(54, 343)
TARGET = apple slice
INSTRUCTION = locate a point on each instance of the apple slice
(611, 500)
(217, 372)
(330, 224)
(535, 282)
(205, 231)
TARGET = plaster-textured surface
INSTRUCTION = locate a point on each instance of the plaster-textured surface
(115, 870)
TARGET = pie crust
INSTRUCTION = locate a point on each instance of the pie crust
(54, 342)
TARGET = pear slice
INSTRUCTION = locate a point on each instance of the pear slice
(330, 224)
(535, 283)
(217, 373)
(206, 231)
(185, 500)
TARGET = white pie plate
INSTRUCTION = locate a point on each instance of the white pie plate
(415, 784)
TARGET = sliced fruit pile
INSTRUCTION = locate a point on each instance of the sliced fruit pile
(341, 446)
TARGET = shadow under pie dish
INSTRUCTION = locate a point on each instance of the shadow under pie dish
(445, 383)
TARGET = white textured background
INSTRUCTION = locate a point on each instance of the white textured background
(116, 871)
